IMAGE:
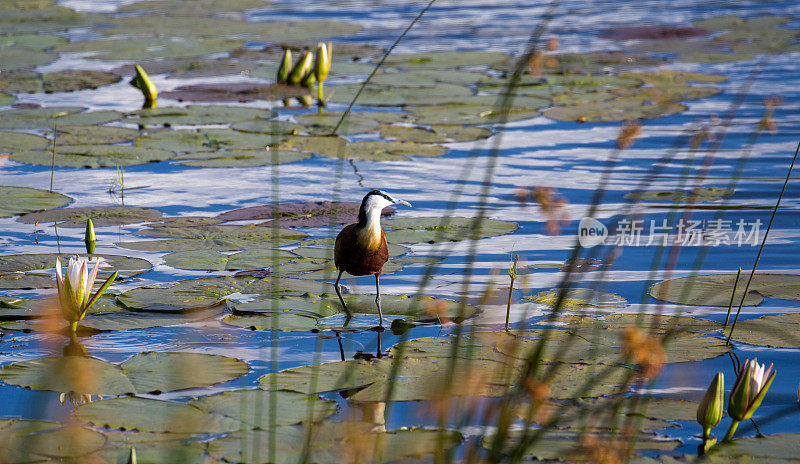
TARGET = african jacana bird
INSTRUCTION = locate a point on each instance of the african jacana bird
(361, 248)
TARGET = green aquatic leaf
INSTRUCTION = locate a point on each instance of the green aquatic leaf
(779, 331)
(436, 133)
(150, 415)
(578, 298)
(193, 115)
(14, 59)
(93, 156)
(30, 41)
(183, 221)
(617, 109)
(212, 260)
(126, 267)
(239, 158)
(41, 118)
(434, 60)
(92, 135)
(272, 127)
(102, 216)
(195, 8)
(79, 374)
(427, 78)
(262, 409)
(209, 140)
(355, 123)
(214, 237)
(6, 99)
(761, 448)
(21, 200)
(380, 95)
(132, 320)
(165, 372)
(478, 110)
(715, 290)
(148, 48)
(430, 229)
(31, 441)
(336, 147)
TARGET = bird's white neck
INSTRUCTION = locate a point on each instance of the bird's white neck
(369, 230)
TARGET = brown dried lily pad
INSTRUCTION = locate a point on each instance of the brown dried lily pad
(241, 92)
(302, 214)
(653, 32)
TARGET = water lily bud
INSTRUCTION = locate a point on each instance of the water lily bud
(132, 456)
(709, 412)
(89, 238)
(142, 82)
(323, 63)
(286, 67)
(301, 68)
(308, 81)
(749, 390)
(306, 100)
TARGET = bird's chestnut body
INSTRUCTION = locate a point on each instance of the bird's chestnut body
(356, 255)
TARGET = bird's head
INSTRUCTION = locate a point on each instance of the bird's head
(374, 202)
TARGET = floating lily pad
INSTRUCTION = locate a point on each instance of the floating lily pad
(302, 214)
(71, 81)
(696, 195)
(14, 59)
(436, 133)
(212, 260)
(40, 118)
(24, 281)
(327, 253)
(151, 415)
(263, 408)
(30, 41)
(715, 290)
(183, 221)
(215, 237)
(22, 263)
(164, 372)
(427, 78)
(773, 331)
(452, 229)
(329, 442)
(617, 109)
(20, 200)
(655, 195)
(581, 87)
(148, 450)
(336, 147)
(148, 48)
(475, 112)
(234, 92)
(591, 63)
(653, 32)
(93, 156)
(378, 95)
(133, 320)
(433, 60)
(42, 16)
(191, 68)
(31, 441)
(239, 158)
(579, 298)
(195, 115)
(273, 127)
(201, 140)
(195, 8)
(92, 135)
(102, 216)
(6, 99)
(762, 448)
(194, 294)
(355, 123)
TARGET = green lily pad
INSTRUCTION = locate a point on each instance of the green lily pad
(263, 409)
(93, 156)
(434, 60)
(234, 92)
(148, 48)
(273, 127)
(715, 290)
(183, 221)
(215, 237)
(377, 95)
(191, 68)
(239, 158)
(674, 195)
(212, 260)
(6, 99)
(436, 133)
(151, 415)
(591, 62)
(30, 41)
(617, 109)
(133, 320)
(772, 331)
(102, 216)
(40, 118)
(165, 372)
(580, 87)
(193, 115)
(14, 59)
(23, 263)
(28, 441)
(763, 448)
(185, 452)
(79, 374)
(315, 252)
(472, 111)
(368, 150)
(71, 81)
(92, 135)
(201, 140)
(427, 78)
(194, 294)
(452, 229)
(302, 214)
(20, 200)
(195, 8)
(42, 16)
(578, 298)
(330, 443)
(665, 77)
(355, 123)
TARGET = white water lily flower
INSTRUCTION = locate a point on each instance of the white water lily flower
(74, 291)
(749, 390)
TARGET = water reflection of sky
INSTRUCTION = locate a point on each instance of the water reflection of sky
(567, 157)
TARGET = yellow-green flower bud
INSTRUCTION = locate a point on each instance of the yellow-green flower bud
(709, 412)
(301, 68)
(142, 82)
(286, 67)
(749, 390)
(323, 64)
(89, 237)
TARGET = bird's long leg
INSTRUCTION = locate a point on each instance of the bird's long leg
(339, 293)
(378, 297)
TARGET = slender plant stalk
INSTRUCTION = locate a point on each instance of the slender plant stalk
(731, 431)
(53, 161)
(763, 242)
(733, 293)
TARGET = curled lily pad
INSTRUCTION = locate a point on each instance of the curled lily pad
(656, 195)
(773, 331)
(238, 92)
(21, 263)
(149, 415)
(20, 200)
(336, 147)
(263, 408)
(664, 77)
(302, 214)
(212, 260)
(20, 280)
(102, 216)
(715, 290)
(147, 48)
(436, 133)
(433, 60)
(240, 158)
(93, 156)
(92, 135)
(653, 32)
(579, 298)
(195, 294)
(200, 140)
(195, 115)
(430, 229)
